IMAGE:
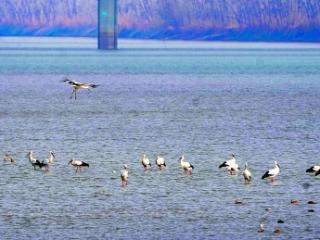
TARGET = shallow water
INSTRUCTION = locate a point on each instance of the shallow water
(206, 102)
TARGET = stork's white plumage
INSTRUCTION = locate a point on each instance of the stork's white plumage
(145, 162)
(233, 168)
(78, 86)
(261, 228)
(124, 175)
(246, 174)
(78, 164)
(34, 162)
(51, 157)
(231, 165)
(272, 173)
(228, 162)
(186, 166)
(31, 158)
(160, 162)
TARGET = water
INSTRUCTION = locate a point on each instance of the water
(203, 100)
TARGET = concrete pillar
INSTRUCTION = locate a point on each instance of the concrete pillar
(107, 24)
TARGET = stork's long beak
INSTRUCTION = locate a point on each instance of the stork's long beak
(65, 79)
(53, 154)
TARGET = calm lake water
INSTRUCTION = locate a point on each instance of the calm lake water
(204, 100)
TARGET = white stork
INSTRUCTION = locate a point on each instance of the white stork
(34, 162)
(78, 164)
(124, 175)
(78, 86)
(145, 162)
(160, 162)
(186, 166)
(272, 173)
(51, 157)
(231, 165)
(246, 174)
(37, 163)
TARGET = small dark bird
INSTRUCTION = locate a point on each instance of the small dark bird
(306, 185)
(238, 202)
(295, 201)
(78, 86)
(277, 231)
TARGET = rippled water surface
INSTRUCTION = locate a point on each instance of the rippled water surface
(199, 99)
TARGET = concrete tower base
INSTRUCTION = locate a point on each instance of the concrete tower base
(107, 24)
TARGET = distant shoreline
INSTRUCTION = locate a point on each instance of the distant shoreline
(246, 35)
(15, 41)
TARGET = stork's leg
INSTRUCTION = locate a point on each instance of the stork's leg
(75, 94)
(72, 94)
(124, 183)
(89, 92)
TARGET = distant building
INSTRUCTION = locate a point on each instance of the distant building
(107, 24)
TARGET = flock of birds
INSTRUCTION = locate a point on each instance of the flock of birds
(231, 165)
